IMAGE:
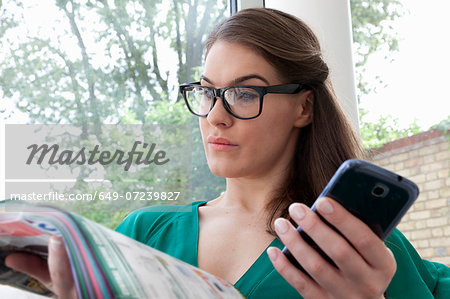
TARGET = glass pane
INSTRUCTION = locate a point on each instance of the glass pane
(99, 61)
(91, 63)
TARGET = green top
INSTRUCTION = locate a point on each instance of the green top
(174, 230)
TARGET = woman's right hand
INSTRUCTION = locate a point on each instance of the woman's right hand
(55, 273)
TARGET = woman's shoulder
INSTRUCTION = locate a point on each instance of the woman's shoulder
(139, 223)
(415, 277)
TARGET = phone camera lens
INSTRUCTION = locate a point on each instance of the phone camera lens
(379, 190)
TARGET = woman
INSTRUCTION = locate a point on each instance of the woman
(277, 142)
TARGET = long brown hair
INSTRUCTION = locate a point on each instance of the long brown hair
(291, 47)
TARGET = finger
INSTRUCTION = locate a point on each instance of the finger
(60, 271)
(313, 263)
(347, 259)
(364, 240)
(299, 280)
(30, 264)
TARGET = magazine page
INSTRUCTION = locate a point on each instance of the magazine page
(17, 235)
(140, 271)
(27, 228)
(105, 264)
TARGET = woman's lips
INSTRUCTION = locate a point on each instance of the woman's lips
(220, 144)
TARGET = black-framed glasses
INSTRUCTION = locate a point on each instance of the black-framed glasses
(243, 102)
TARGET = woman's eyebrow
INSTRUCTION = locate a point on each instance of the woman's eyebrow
(203, 77)
(239, 79)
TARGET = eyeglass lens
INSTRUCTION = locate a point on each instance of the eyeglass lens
(243, 102)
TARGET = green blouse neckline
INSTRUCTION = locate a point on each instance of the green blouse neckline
(254, 272)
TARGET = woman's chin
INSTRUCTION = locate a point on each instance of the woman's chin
(226, 171)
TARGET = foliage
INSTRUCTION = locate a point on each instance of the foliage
(120, 62)
(443, 126)
(384, 130)
(116, 62)
(372, 31)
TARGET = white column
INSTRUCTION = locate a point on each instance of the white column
(243, 4)
(331, 21)
(2, 160)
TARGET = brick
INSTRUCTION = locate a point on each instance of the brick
(443, 156)
(429, 167)
(398, 167)
(444, 146)
(439, 242)
(447, 231)
(420, 178)
(423, 196)
(441, 221)
(428, 159)
(420, 186)
(434, 213)
(413, 162)
(432, 176)
(422, 244)
(405, 218)
(433, 194)
(433, 185)
(420, 215)
(440, 251)
(426, 252)
(445, 192)
(421, 234)
(428, 150)
(408, 172)
(421, 224)
(413, 171)
(413, 154)
(406, 226)
(419, 204)
(398, 158)
(444, 173)
(437, 232)
(437, 203)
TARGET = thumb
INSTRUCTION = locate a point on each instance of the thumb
(59, 268)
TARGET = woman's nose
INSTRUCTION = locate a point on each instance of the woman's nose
(219, 115)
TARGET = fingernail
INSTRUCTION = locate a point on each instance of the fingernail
(281, 226)
(297, 211)
(324, 206)
(55, 244)
(272, 253)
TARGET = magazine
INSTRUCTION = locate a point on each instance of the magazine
(104, 263)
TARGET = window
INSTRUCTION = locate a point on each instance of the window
(91, 63)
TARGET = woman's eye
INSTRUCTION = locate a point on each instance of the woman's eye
(204, 93)
(247, 96)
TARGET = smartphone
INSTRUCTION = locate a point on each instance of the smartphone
(375, 195)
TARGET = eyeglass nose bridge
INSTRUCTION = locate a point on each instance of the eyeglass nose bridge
(219, 93)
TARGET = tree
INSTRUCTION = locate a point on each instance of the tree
(372, 31)
(120, 62)
(375, 135)
(106, 62)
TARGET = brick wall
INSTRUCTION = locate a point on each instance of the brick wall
(425, 159)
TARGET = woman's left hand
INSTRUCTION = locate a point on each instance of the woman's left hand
(365, 268)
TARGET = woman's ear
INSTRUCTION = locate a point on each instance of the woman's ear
(305, 109)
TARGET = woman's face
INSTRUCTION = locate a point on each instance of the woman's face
(255, 147)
